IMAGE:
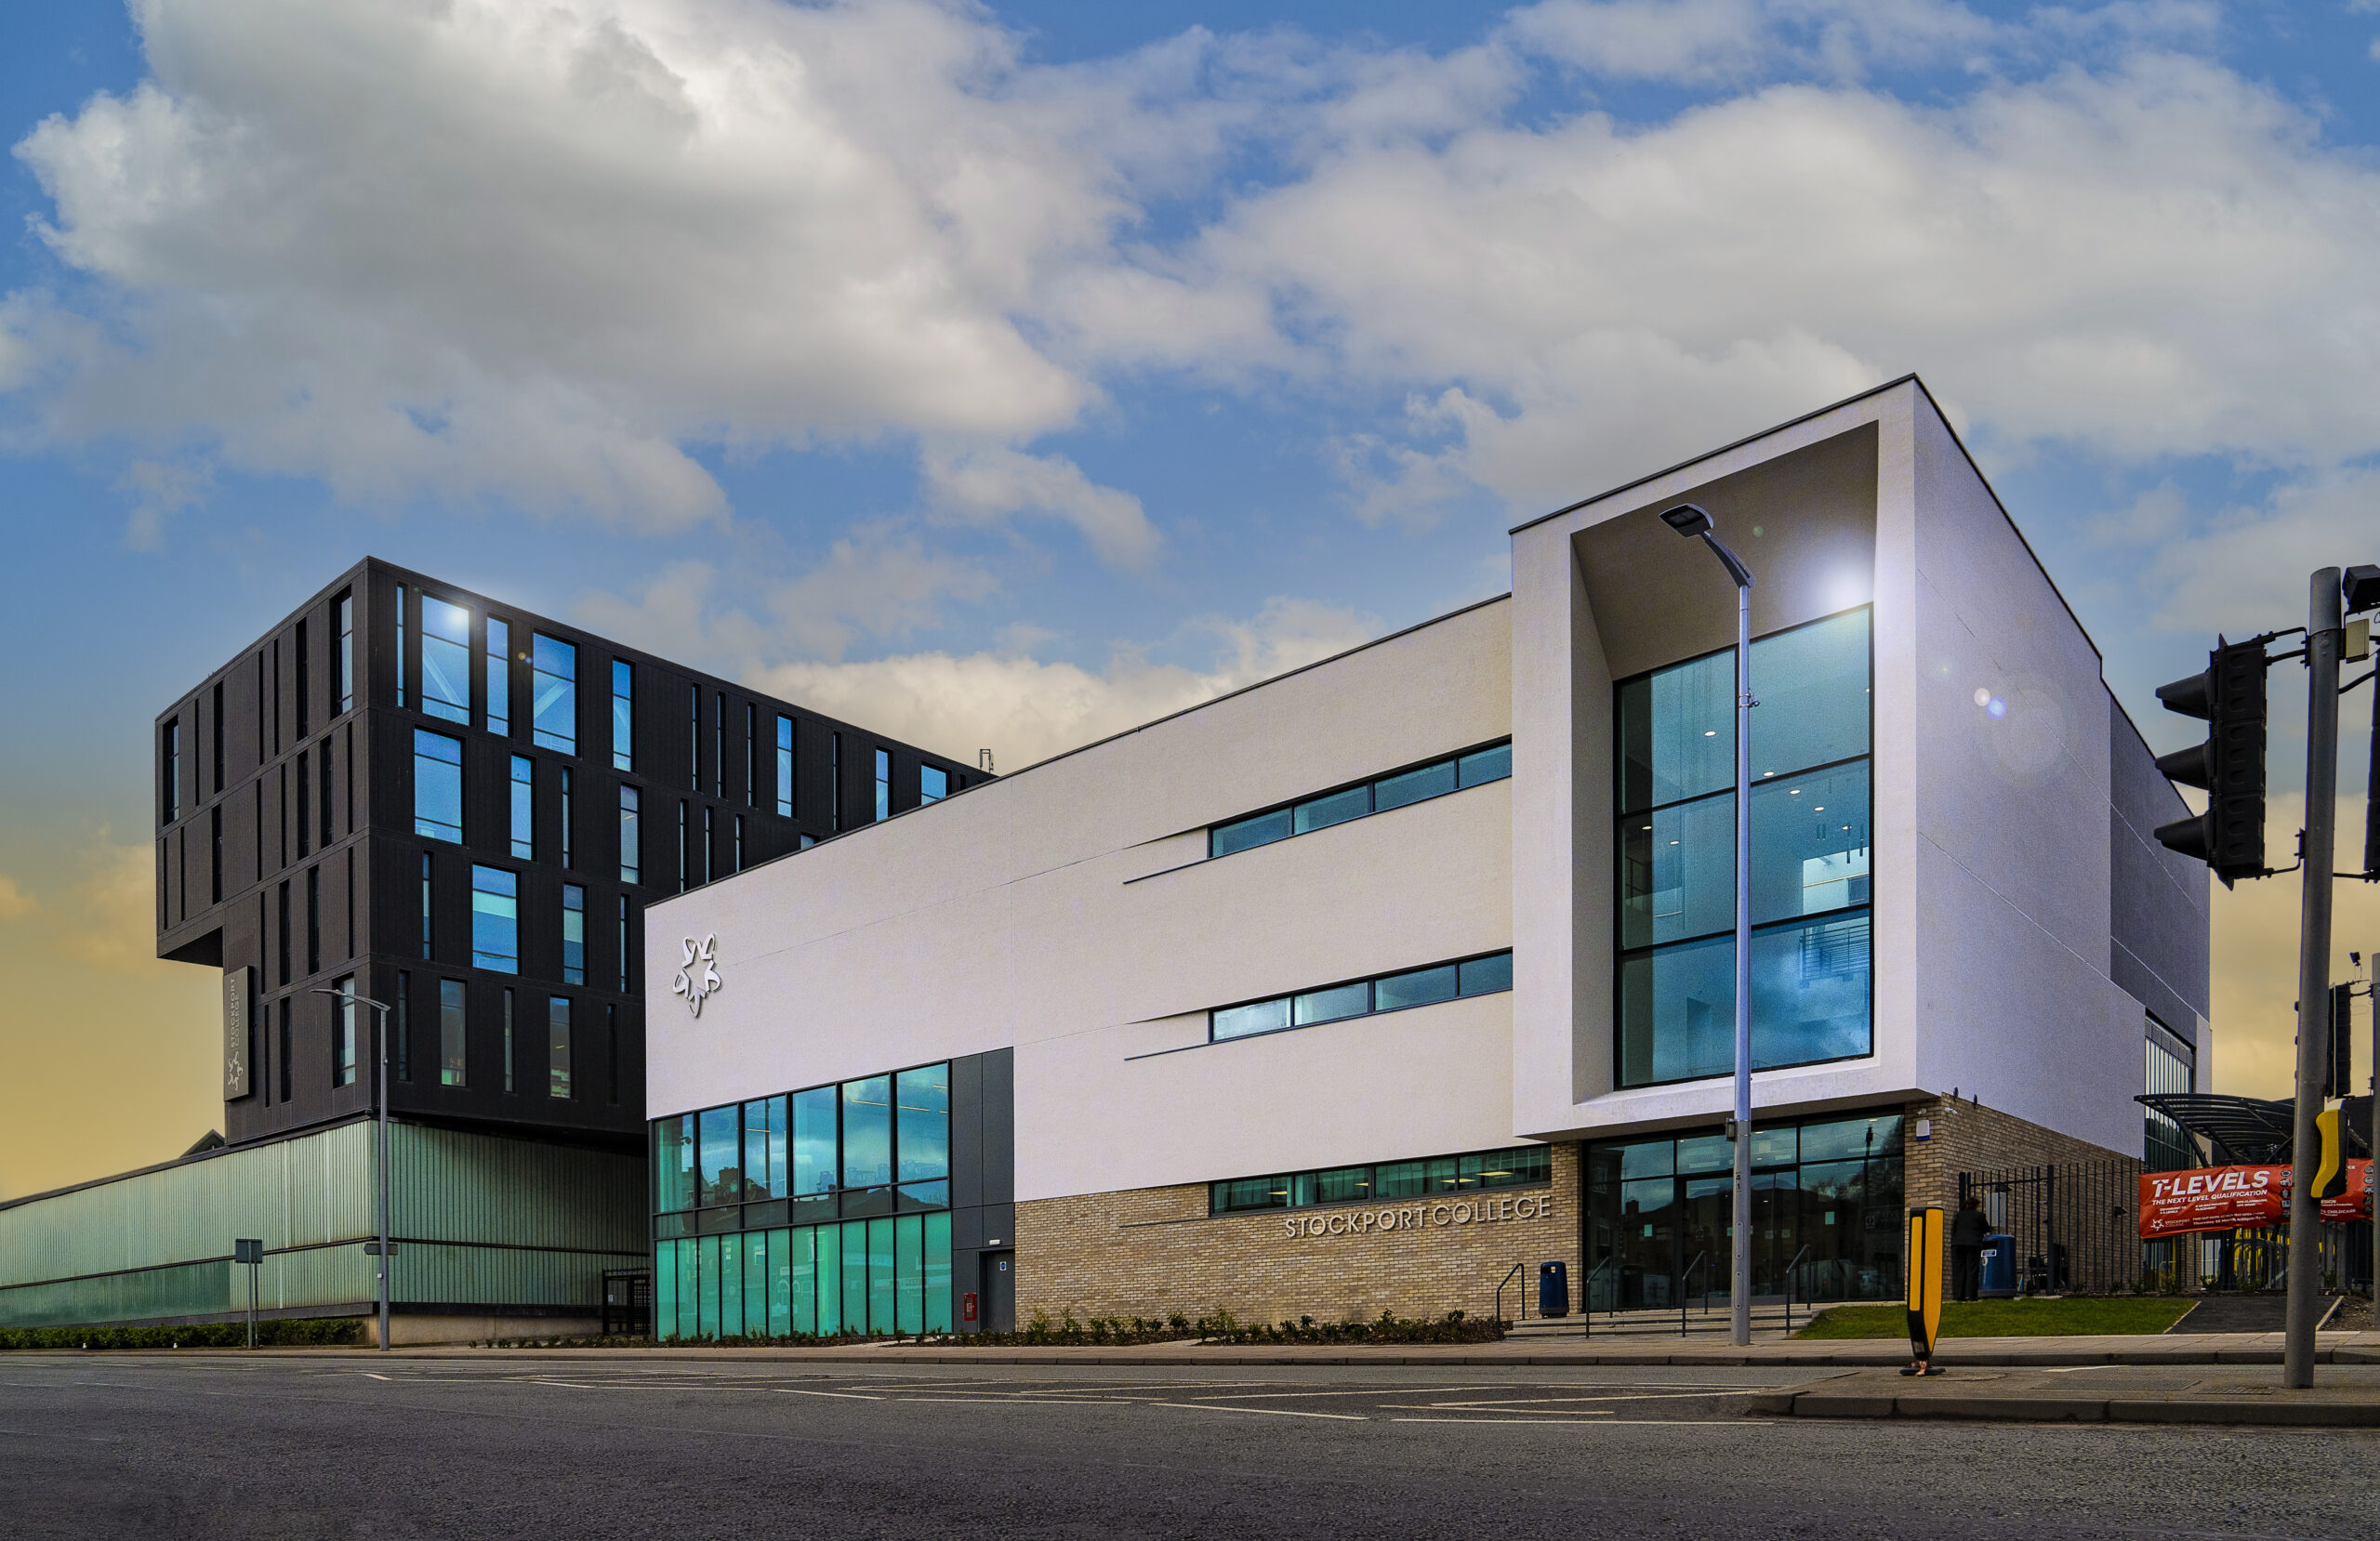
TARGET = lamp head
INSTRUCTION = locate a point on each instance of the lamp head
(1686, 520)
(2359, 587)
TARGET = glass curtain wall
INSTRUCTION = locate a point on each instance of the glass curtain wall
(1659, 1214)
(820, 1211)
(1676, 844)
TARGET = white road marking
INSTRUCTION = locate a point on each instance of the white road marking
(847, 1396)
(1268, 1412)
(370, 1376)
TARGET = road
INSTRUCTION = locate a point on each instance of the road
(348, 1445)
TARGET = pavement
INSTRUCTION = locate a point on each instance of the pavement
(296, 1444)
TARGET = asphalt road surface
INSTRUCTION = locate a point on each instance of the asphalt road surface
(349, 1445)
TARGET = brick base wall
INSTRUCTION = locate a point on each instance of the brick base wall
(1153, 1251)
(1968, 1137)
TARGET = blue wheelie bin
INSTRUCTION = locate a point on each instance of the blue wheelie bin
(1553, 1289)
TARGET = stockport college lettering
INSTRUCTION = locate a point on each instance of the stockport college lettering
(1416, 1217)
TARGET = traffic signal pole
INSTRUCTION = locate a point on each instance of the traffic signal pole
(2324, 632)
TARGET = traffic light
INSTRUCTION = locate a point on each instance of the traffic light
(2229, 767)
(2337, 1079)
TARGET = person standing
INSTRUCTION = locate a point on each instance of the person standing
(1968, 1229)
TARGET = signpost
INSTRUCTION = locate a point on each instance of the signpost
(1924, 1289)
(249, 1251)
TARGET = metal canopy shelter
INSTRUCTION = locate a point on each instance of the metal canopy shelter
(2248, 1130)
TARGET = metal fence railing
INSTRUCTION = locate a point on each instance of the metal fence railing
(2076, 1227)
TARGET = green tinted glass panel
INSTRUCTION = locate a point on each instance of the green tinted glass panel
(881, 1314)
(827, 1249)
(756, 1283)
(937, 1269)
(1649, 1159)
(707, 1286)
(854, 1245)
(1342, 1185)
(673, 1163)
(802, 1278)
(689, 1288)
(721, 1179)
(780, 1283)
(731, 1286)
(1773, 1147)
(665, 1289)
(1239, 1022)
(909, 1274)
(1401, 1180)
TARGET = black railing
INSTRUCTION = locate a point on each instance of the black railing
(1789, 1287)
(1683, 1281)
(1500, 1294)
(1587, 1299)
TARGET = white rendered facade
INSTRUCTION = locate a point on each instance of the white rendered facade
(1071, 914)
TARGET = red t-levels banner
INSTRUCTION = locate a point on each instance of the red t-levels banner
(2218, 1198)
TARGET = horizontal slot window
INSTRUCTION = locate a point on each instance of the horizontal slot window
(1419, 784)
(1443, 981)
(1519, 1166)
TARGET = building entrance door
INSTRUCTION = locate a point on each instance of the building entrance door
(999, 1292)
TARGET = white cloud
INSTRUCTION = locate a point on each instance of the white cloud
(1025, 710)
(2245, 571)
(876, 585)
(2153, 259)
(984, 483)
(533, 251)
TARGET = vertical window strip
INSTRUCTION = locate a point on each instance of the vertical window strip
(508, 1050)
(835, 777)
(784, 768)
(883, 783)
(751, 755)
(401, 645)
(625, 953)
(558, 1047)
(404, 1025)
(453, 1033)
(425, 904)
(631, 837)
(574, 934)
(718, 745)
(346, 653)
(623, 716)
(569, 817)
(496, 655)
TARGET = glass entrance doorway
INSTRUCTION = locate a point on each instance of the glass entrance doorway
(1826, 1211)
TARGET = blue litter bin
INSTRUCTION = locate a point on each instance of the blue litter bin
(1553, 1289)
(1997, 1275)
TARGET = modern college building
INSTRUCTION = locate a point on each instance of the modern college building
(1355, 989)
(425, 797)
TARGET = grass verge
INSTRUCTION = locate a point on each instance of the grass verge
(2073, 1316)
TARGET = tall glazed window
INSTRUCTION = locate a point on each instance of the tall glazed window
(1675, 841)
(451, 1035)
(495, 918)
(553, 682)
(524, 807)
(631, 816)
(623, 716)
(345, 661)
(437, 785)
(498, 666)
(446, 660)
(574, 934)
(784, 768)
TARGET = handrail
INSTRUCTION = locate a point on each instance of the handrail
(1587, 1299)
(1684, 1279)
(1789, 1287)
(1500, 1294)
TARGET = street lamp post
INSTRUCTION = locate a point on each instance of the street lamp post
(1688, 520)
(380, 1039)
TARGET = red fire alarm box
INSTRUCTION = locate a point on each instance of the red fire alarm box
(966, 1307)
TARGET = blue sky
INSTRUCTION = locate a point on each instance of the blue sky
(1008, 375)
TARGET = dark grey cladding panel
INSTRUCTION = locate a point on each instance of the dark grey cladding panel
(999, 1126)
(2157, 902)
(966, 1134)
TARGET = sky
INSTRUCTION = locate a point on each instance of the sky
(1004, 375)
